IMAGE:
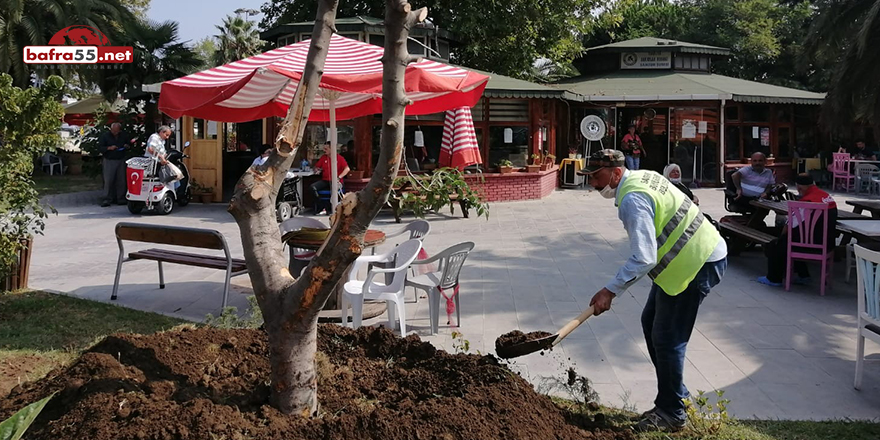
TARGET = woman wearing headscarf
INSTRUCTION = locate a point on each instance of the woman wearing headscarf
(673, 173)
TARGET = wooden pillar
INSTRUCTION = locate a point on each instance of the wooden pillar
(363, 144)
(535, 111)
(551, 143)
(485, 141)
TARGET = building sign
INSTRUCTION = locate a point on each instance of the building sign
(646, 60)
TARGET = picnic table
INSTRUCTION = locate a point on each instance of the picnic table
(862, 230)
(873, 206)
(331, 312)
(781, 208)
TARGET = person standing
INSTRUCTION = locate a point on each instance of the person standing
(324, 164)
(632, 148)
(777, 250)
(112, 144)
(682, 253)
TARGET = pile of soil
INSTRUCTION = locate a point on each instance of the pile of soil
(212, 384)
(517, 337)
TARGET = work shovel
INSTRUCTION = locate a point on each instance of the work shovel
(545, 343)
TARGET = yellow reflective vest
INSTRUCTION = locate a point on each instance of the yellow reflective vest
(685, 239)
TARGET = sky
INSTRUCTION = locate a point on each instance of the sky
(197, 18)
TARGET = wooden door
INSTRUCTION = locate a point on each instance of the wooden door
(205, 162)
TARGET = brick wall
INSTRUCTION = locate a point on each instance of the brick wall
(497, 187)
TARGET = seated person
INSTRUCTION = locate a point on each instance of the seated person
(326, 172)
(672, 172)
(776, 250)
(753, 182)
(265, 149)
(861, 152)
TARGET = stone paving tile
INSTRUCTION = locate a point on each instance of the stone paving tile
(536, 265)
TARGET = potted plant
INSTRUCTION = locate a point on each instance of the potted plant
(536, 163)
(27, 125)
(572, 152)
(204, 193)
(505, 166)
(549, 161)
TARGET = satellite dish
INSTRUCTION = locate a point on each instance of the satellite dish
(593, 128)
(650, 113)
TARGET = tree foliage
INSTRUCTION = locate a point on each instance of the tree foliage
(848, 31)
(504, 37)
(204, 50)
(238, 39)
(29, 120)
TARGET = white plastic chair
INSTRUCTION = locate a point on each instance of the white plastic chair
(355, 291)
(451, 260)
(868, 319)
(299, 258)
(417, 229)
(50, 160)
(865, 176)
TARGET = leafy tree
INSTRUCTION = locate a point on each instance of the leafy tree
(850, 30)
(138, 7)
(504, 37)
(238, 39)
(204, 50)
(28, 124)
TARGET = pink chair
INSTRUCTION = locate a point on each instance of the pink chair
(807, 217)
(840, 171)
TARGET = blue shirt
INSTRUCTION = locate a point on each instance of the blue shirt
(636, 211)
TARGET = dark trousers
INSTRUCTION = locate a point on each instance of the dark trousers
(115, 187)
(667, 322)
(776, 252)
(757, 215)
(321, 185)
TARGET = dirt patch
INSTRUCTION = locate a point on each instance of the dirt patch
(211, 384)
(16, 369)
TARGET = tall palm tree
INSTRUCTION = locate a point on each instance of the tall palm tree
(159, 56)
(238, 39)
(33, 22)
(849, 30)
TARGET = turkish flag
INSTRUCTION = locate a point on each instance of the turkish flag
(135, 178)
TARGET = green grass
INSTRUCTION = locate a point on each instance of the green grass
(40, 331)
(748, 429)
(67, 183)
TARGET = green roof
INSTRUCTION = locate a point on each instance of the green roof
(91, 104)
(358, 23)
(500, 86)
(623, 86)
(659, 45)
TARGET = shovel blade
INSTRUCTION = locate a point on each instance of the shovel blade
(525, 348)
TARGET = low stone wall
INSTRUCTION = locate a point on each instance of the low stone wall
(497, 187)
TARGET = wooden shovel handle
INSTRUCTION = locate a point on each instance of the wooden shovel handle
(573, 324)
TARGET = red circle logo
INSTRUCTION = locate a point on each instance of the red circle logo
(79, 35)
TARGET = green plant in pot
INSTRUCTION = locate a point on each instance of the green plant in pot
(536, 163)
(549, 161)
(29, 121)
(442, 187)
(505, 166)
(204, 193)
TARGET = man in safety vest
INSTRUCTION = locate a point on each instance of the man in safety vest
(684, 256)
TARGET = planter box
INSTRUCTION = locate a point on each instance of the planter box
(505, 170)
(533, 168)
(206, 198)
(19, 272)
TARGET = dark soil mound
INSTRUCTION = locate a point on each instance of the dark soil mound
(211, 384)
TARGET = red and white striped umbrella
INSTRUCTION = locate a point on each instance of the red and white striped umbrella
(263, 85)
(459, 147)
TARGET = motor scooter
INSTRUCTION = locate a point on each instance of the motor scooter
(146, 191)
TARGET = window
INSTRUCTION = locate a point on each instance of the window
(756, 113)
(377, 40)
(352, 35)
(203, 129)
(783, 113)
(414, 46)
(509, 110)
(285, 40)
(783, 142)
(757, 139)
(515, 151)
(731, 113)
(731, 143)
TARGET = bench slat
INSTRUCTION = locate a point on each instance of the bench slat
(172, 235)
(207, 261)
(747, 232)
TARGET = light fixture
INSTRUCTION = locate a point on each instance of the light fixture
(508, 135)
(419, 140)
(543, 134)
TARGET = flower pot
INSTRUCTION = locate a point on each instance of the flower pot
(205, 197)
(17, 277)
(355, 175)
(533, 168)
(545, 167)
(505, 170)
(572, 155)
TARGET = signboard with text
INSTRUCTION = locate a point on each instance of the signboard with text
(646, 60)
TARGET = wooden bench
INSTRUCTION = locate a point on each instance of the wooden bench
(394, 201)
(177, 236)
(735, 229)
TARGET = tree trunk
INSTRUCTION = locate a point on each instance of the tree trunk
(290, 306)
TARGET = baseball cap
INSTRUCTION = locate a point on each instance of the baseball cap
(606, 158)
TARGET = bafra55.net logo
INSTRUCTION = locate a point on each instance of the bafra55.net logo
(78, 44)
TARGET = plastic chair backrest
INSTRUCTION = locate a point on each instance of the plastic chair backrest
(805, 217)
(839, 162)
(418, 229)
(866, 171)
(297, 223)
(403, 255)
(451, 261)
(867, 262)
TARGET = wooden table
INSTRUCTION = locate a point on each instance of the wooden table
(331, 312)
(873, 206)
(861, 230)
(781, 208)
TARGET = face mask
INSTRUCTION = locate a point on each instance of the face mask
(608, 192)
(675, 180)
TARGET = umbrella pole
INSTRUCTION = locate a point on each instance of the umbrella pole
(334, 172)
